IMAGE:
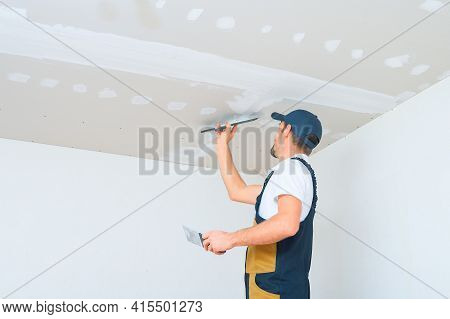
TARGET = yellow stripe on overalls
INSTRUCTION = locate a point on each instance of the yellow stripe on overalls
(259, 260)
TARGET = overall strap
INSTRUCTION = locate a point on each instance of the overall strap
(258, 199)
(314, 181)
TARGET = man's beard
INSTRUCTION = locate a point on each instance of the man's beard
(272, 151)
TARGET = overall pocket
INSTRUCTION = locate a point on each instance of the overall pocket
(256, 292)
(261, 259)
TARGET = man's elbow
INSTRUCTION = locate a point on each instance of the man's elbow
(233, 196)
(290, 229)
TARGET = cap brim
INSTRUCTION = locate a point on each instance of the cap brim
(277, 116)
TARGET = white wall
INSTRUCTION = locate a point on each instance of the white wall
(55, 199)
(384, 191)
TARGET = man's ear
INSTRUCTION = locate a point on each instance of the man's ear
(287, 130)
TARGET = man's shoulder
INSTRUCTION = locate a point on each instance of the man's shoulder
(291, 167)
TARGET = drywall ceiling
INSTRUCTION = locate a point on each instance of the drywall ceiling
(89, 73)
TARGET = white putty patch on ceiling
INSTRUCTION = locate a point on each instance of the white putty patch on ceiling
(79, 88)
(49, 83)
(331, 45)
(431, 5)
(402, 97)
(397, 61)
(357, 54)
(176, 106)
(107, 93)
(260, 86)
(419, 69)
(194, 14)
(208, 110)
(160, 4)
(298, 37)
(266, 29)
(140, 100)
(19, 77)
(225, 23)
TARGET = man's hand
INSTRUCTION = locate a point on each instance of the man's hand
(226, 135)
(217, 242)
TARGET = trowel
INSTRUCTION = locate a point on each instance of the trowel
(232, 123)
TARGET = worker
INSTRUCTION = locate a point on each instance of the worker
(279, 244)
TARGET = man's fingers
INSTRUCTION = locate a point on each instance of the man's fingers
(227, 128)
(233, 130)
(206, 244)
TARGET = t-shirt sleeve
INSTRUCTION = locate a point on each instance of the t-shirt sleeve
(290, 179)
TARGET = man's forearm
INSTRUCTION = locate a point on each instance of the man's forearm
(231, 177)
(267, 232)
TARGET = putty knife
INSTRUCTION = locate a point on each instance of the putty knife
(221, 128)
(193, 236)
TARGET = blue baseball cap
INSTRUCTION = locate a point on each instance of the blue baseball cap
(303, 124)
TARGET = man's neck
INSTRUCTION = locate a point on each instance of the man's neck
(291, 154)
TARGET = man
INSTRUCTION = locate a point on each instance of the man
(280, 241)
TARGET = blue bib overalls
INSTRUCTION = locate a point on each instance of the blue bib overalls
(281, 270)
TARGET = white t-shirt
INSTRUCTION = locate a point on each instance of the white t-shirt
(290, 177)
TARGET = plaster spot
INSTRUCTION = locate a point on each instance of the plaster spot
(49, 83)
(331, 45)
(194, 14)
(423, 86)
(140, 100)
(208, 110)
(431, 5)
(419, 69)
(357, 54)
(298, 37)
(79, 88)
(160, 4)
(19, 77)
(225, 23)
(107, 93)
(176, 106)
(194, 84)
(266, 29)
(402, 97)
(397, 61)
(444, 75)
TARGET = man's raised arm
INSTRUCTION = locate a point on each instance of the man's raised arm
(237, 189)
